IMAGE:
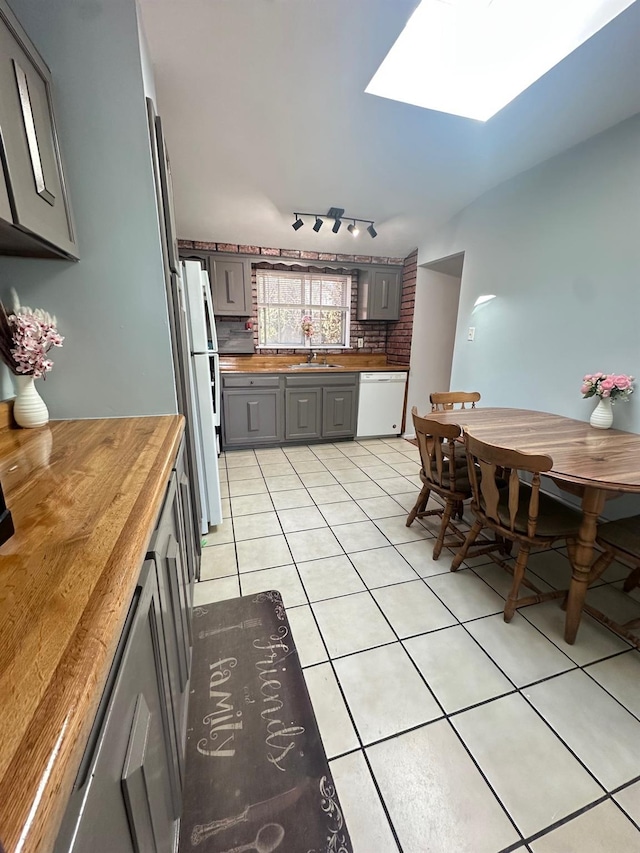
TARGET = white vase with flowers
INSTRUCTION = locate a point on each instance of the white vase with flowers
(608, 387)
(26, 336)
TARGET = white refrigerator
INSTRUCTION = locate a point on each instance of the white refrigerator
(204, 369)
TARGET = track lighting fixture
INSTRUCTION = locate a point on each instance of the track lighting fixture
(337, 215)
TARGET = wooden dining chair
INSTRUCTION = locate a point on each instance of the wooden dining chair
(619, 539)
(442, 401)
(442, 473)
(515, 511)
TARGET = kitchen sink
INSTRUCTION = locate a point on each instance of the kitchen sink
(303, 365)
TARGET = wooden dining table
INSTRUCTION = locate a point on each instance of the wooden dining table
(593, 464)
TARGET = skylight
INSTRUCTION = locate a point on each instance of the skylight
(472, 57)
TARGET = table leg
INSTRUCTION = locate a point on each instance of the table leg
(592, 504)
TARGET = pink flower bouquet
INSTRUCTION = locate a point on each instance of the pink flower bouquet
(615, 386)
(26, 336)
(307, 326)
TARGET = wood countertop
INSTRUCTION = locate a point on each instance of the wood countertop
(85, 497)
(282, 363)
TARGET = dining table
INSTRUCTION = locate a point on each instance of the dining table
(593, 464)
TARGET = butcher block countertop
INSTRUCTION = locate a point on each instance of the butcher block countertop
(85, 497)
(282, 363)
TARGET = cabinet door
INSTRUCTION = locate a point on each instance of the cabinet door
(30, 147)
(190, 532)
(165, 551)
(252, 417)
(385, 296)
(122, 799)
(302, 413)
(338, 412)
(231, 286)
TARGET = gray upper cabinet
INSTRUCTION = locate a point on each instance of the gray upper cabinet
(379, 294)
(35, 215)
(231, 286)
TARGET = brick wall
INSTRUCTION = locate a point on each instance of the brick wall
(399, 333)
(377, 335)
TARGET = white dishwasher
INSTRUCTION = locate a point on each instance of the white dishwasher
(381, 404)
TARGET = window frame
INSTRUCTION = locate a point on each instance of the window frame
(306, 343)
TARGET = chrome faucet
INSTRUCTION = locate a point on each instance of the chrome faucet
(311, 356)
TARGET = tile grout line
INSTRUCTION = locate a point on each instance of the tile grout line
(573, 667)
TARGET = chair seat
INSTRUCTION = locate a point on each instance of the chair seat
(623, 534)
(554, 518)
(462, 484)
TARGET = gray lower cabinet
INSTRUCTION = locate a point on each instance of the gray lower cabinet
(252, 410)
(122, 799)
(263, 409)
(127, 796)
(303, 408)
(339, 412)
(35, 215)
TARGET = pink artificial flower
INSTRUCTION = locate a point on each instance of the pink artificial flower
(587, 378)
(621, 382)
(585, 389)
(607, 384)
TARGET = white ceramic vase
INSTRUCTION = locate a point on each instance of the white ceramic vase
(29, 409)
(602, 415)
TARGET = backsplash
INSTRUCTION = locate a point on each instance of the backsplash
(377, 335)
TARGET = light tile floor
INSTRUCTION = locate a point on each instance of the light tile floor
(447, 730)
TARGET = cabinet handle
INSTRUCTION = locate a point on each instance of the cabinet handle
(385, 293)
(32, 136)
(227, 279)
(134, 783)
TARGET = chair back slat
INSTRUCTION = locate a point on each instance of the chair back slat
(489, 489)
(497, 492)
(514, 497)
(437, 445)
(442, 401)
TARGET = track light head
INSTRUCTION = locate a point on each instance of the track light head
(336, 226)
(317, 225)
(372, 231)
(298, 223)
(353, 229)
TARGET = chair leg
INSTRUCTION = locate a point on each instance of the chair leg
(472, 535)
(420, 505)
(449, 510)
(632, 581)
(518, 574)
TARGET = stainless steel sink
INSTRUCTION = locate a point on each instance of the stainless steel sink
(304, 365)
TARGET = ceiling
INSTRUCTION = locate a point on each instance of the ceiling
(264, 111)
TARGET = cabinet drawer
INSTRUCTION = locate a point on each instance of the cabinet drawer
(251, 380)
(320, 380)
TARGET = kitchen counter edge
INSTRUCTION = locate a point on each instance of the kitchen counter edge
(85, 497)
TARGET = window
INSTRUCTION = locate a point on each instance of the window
(284, 298)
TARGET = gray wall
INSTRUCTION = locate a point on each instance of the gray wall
(434, 328)
(559, 247)
(111, 306)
